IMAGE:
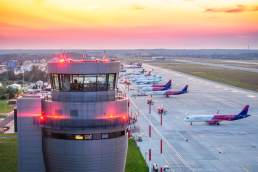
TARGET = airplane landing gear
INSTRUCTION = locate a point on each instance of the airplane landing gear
(217, 123)
(191, 123)
(167, 95)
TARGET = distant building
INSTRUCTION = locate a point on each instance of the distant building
(12, 64)
(158, 58)
(3, 67)
(14, 86)
(39, 84)
(26, 68)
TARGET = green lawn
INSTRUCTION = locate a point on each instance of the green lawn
(134, 160)
(8, 154)
(2, 107)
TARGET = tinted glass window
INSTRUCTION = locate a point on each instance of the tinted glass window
(101, 83)
(86, 83)
(104, 136)
(65, 82)
(73, 112)
(88, 137)
(111, 81)
(76, 82)
(112, 135)
(56, 81)
(90, 83)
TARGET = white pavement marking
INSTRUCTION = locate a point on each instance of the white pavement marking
(171, 147)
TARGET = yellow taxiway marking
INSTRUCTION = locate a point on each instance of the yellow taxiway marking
(219, 150)
(176, 118)
(247, 164)
(201, 136)
(244, 168)
(186, 125)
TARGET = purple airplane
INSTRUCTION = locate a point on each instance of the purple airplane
(215, 119)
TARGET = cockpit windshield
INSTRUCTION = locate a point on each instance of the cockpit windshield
(187, 118)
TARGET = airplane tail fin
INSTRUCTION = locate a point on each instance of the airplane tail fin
(154, 75)
(160, 77)
(168, 84)
(244, 111)
(185, 89)
(131, 63)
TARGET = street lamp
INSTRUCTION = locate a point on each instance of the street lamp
(145, 159)
(5, 107)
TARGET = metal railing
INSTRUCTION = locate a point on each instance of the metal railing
(97, 98)
(82, 123)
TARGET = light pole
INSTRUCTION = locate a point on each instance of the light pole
(23, 80)
(5, 107)
(145, 159)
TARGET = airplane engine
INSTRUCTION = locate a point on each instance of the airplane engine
(211, 122)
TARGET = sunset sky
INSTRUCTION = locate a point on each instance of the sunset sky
(120, 24)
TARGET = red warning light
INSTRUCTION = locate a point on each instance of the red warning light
(124, 117)
(62, 60)
(55, 116)
(110, 116)
(41, 117)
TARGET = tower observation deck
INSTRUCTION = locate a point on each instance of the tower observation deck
(83, 124)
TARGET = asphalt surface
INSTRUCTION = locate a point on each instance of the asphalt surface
(230, 146)
(7, 120)
(222, 66)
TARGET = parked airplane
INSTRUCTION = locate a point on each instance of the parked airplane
(149, 81)
(215, 119)
(155, 85)
(167, 86)
(135, 74)
(139, 65)
(167, 93)
(145, 78)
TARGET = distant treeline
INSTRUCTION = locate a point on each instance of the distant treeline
(32, 76)
(8, 93)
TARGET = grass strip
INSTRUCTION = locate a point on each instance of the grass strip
(8, 154)
(3, 105)
(134, 160)
(237, 78)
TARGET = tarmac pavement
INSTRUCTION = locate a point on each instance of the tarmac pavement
(230, 146)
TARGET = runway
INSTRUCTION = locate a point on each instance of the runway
(230, 146)
(221, 65)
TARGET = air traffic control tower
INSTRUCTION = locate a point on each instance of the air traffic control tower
(81, 127)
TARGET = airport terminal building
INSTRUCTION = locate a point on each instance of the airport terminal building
(81, 127)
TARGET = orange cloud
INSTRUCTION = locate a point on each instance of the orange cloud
(137, 7)
(236, 9)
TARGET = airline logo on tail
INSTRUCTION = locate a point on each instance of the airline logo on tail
(148, 74)
(184, 90)
(131, 63)
(168, 84)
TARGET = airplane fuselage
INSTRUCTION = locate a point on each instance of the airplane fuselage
(154, 88)
(215, 119)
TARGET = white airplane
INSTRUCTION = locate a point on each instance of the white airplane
(135, 75)
(215, 119)
(155, 85)
(133, 66)
(145, 78)
(149, 81)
